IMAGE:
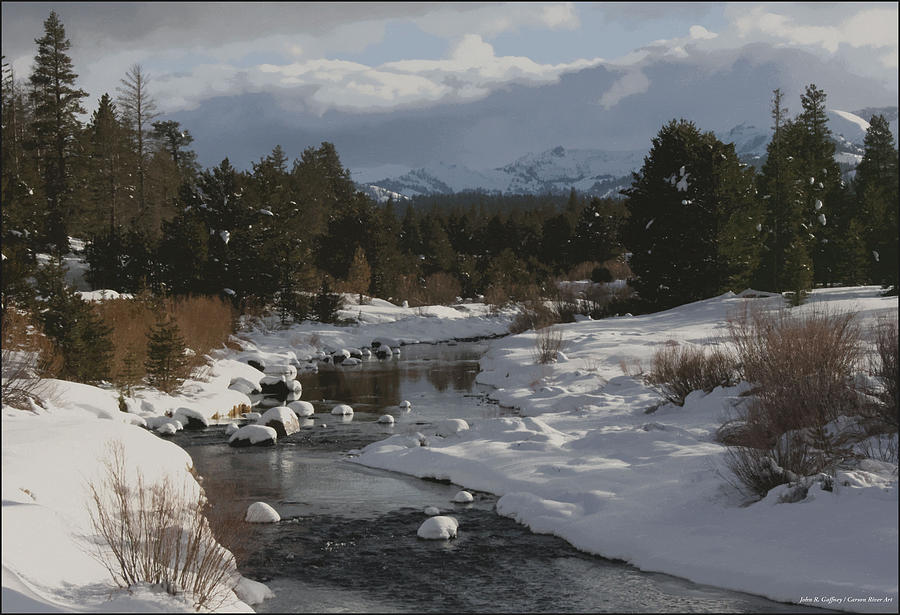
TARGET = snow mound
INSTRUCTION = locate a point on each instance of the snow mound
(260, 512)
(191, 419)
(342, 409)
(450, 427)
(302, 408)
(438, 528)
(405, 405)
(463, 497)
(386, 418)
(432, 511)
(166, 429)
(231, 428)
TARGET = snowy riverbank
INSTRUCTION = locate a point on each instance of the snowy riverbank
(586, 463)
(49, 455)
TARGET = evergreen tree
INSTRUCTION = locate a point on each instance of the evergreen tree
(785, 262)
(108, 166)
(689, 201)
(359, 275)
(78, 331)
(56, 103)
(166, 363)
(326, 303)
(876, 186)
(596, 234)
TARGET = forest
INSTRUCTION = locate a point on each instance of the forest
(289, 234)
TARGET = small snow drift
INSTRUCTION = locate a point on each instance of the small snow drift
(282, 419)
(260, 512)
(342, 409)
(253, 435)
(438, 528)
(463, 497)
(302, 408)
(386, 418)
(450, 427)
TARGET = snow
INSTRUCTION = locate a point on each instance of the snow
(432, 511)
(252, 592)
(302, 409)
(255, 434)
(851, 117)
(450, 427)
(260, 512)
(463, 497)
(102, 295)
(585, 462)
(386, 418)
(438, 528)
(342, 409)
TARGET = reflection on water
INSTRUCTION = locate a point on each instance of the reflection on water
(355, 547)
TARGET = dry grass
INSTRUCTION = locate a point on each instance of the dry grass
(205, 323)
(548, 343)
(158, 533)
(885, 367)
(28, 356)
(441, 289)
(533, 315)
(677, 370)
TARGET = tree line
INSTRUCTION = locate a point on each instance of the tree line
(695, 221)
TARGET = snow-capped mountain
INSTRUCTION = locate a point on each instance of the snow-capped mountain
(557, 170)
(604, 173)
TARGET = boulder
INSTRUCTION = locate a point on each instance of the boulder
(282, 419)
(253, 435)
(256, 364)
(438, 528)
(191, 419)
(302, 409)
(260, 512)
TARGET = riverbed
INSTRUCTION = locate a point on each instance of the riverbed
(347, 541)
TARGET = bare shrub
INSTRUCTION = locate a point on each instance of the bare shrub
(547, 345)
(205, 322)
(677, 370)
(28, 357)
(582, 271)
(158, 534)
(532, 315)
(632, 367)
(885, 367)
(618, 268)
(441, 289)
(566, 305)
(802, 368)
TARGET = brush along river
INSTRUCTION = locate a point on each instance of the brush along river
(354, 547)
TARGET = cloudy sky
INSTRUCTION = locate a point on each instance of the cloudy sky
(314, 67)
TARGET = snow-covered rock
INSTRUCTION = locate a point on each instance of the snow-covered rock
(386, 418)
(252, 592)
(302, 409)
(463, 497)
(438, 528)
(244, 386)
(191, 418)
(342, 409)
(260, 512)
(282, 419)
(253, 435)
(404, 405)
(351, 362)
(166, 429)
(230, 428)
(432, 511)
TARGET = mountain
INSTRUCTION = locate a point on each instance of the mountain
(555, 171)
(604, 173)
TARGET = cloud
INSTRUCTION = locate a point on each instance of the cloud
(632, 82)
(870, 27)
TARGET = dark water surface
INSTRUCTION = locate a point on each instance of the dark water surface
(347, 541)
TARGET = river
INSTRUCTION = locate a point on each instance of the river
(347, 541)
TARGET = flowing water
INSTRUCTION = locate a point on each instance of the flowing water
(347, 541)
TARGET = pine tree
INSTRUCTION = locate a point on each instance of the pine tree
(166, 363)
(56, 104)
(359, 275)
(326, 303)
(689, 206)
(877, 195)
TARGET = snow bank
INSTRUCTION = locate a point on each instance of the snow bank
(588, 464)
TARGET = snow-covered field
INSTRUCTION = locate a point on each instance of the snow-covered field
(587, 463)
(583, 461)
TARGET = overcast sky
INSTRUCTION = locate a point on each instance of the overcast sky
(369, 57)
